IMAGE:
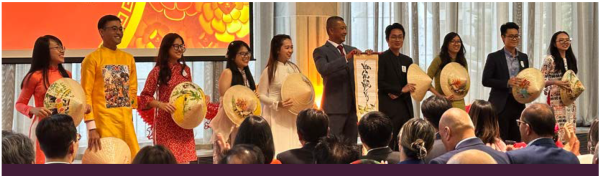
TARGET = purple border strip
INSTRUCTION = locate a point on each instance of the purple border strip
(300, 170)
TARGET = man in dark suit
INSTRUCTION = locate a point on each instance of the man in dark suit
(458, 134)
(432, 109)
(394, 90)
(58, 139)
(311, 125)
(375, 130)
(334, 61)
(536, 126)
(501, 69)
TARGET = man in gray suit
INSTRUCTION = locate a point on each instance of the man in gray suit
(334, 61)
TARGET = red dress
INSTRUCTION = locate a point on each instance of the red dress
(165, 131)
(35, 87)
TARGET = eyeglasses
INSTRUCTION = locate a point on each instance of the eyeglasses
(245, 54)
(456, 42)
(179, 47)
(59, 48)
(520, 121)
(397, 37)
(115, 28)
(513, 37)
(78, 137)
(563, 41)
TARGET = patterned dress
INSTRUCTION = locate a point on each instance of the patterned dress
(35, 87)
(165, 131)
(562, 113)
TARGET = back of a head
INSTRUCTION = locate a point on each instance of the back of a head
(457, 120)
(335, 150)
(472, 156)
(243, 154)
(16, 148)
(485, 120)
(375, 129)
(55, 135)
(540, 118)
(416, 138)
(312, 125)
(255, 130)
(433, 108)
(157, 154)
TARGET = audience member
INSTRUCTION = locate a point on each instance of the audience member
(335, 150)
(17, 149)
(536, 126)
(415, 141)
(58, 139)
(243, 154)
(375, 131)
(485, 120)
(312, 125)
(432, 109)
(157, 154)
(472, 157)
(458, 134)
(256, 131)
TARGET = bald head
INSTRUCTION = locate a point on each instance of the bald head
(540, 118)
(456, 119)
(472, 156)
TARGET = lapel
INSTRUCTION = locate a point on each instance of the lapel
(334, 50)
(503, 63)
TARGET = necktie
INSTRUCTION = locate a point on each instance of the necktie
(341, 48)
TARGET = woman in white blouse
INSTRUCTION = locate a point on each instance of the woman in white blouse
(275, 110)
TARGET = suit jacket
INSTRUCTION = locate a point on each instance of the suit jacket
(474, 143)
(338, 79)
(542, 151)
(383, 154)
(496, 76)
(437, 149)
(302, 155)
(391, 79)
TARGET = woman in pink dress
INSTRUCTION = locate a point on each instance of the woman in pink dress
(170, 70)
(46, 67)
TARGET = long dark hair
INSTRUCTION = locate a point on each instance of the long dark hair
(255, 130)
(485, 120)
(157, 154)
(232, 51)
(41, 60)
(162, 60)
(276, 44)
(445, 55)
(558, 61)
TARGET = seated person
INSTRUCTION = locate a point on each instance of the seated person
(536, 126)
(472, 157)
(335, 150)
(58, 139)
(375, 131)
(243, 154)
(432, 109)
(17, 149)
(312, 125)
(415, 141)
(458, 134)
(157, 154)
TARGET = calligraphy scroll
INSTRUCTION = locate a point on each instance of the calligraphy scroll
(365, 81)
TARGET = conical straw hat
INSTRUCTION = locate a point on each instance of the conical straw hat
(239, 102)
(576, 88)
(66, 96)
(190, 105)
(300, 91)
(114, 151)
(531, 86)
(421, 80)
(455, 80)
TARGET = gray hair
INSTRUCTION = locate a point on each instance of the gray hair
(17, 149)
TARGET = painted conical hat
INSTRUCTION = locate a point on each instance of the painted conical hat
(576, 88)
(531, 86)
(300, 90)
(421, 80)
(66, 96)
(239, 102)
(190, 105)
(455, 80)
(114, 151)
